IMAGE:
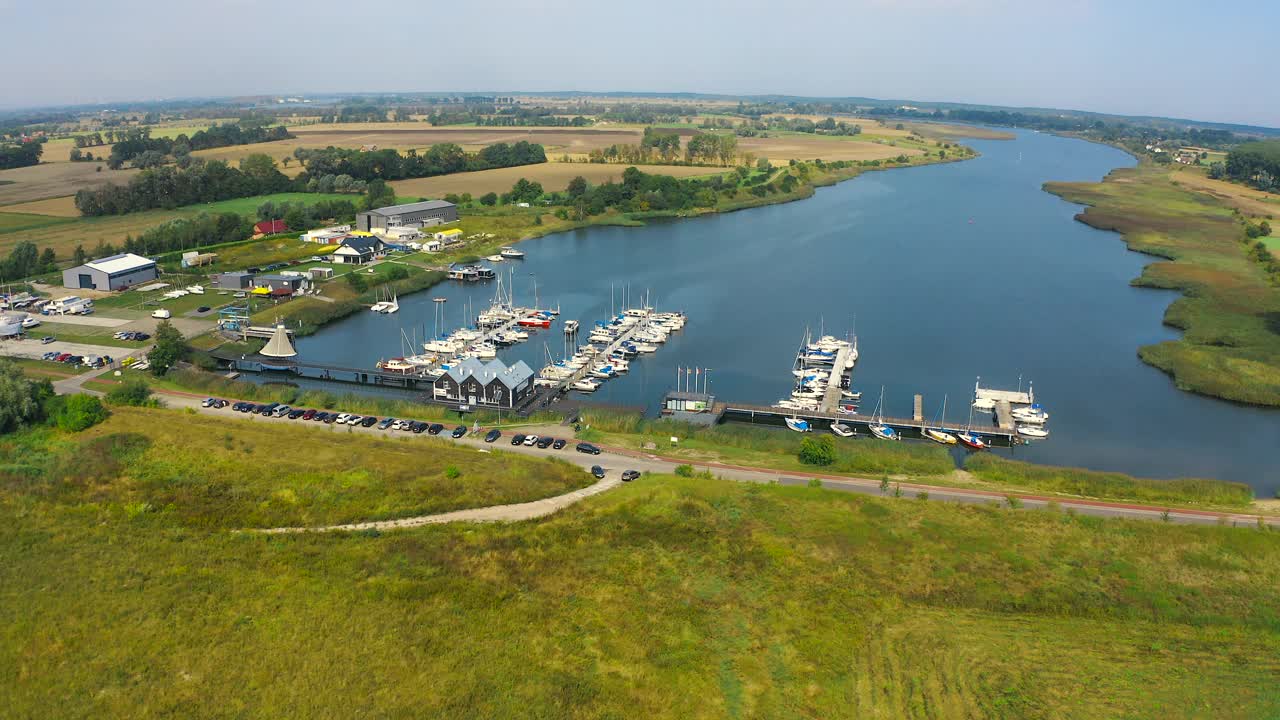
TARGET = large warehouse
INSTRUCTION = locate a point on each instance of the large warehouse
(431, 212)
(111, 273)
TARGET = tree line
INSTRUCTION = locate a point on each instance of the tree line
(389, 164)
(1256, 164)
(26, 260)
(659, 145)
(171, 187)
(129, 145)
(20, 154)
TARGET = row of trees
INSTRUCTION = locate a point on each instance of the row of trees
(20, 154)
(1255, 163)
(663, 146)
(172, 187)
(26, 260)
(439, 159)
(137, 147)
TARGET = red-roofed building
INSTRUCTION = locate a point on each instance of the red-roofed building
(270, 227)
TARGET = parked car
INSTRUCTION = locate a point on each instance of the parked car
(203, 309)
(517, 439)
(434, 428)
(559, 444)
(354, 419)
(629, 475)
(545, 442)
(207, 402)
(342, 418)
(308, 415)
(530, 440)
(459, 431)
(62, 357)
(281, 411)
(597, 471)
(330, 419)
(46, 339)
(387, 423)
(296, 413)
(492, 435)
(369, 421)
(588, 448)
(418, 427)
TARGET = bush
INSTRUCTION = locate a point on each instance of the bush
(452, 472)
(819, 450)
(133, 392)
(80, 412)
(687, 471)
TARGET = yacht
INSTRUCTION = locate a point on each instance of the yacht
(442, 345)
(938, 436)
(586, 385)
(604, 372)
(495, 258)
(397, 365)
(512, 253)
(1032, 431)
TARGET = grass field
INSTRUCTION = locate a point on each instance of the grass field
(554, 176)
(50, 180)
(63, 236)
(1243, 198)
(17, 222)
(1230, 312)
(120, 594)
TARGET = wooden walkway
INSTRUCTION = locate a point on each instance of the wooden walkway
(831, 400)
(821, 420)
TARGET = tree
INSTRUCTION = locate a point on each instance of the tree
(21, 400)
(490, 198)
(577, 187)
(79, 256)
(819, 450)
(357, 282)
(80, 412)
(169, 348)
(134, 392)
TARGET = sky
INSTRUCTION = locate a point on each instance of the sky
(1210, 61)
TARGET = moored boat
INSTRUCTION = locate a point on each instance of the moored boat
(841, 430)
(797, 424)
(509, 252)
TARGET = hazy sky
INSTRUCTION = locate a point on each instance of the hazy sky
(1182, 58)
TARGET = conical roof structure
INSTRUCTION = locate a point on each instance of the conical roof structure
(279, 346)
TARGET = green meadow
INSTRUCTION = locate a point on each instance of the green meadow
(123, 594)
(1229, 312)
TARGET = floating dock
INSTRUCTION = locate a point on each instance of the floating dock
(821, 421)
(831, 399)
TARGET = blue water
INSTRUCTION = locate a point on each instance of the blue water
(952, 271)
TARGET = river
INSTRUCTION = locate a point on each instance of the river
(952, 271)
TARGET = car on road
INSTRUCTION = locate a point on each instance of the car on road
(434, 428)
(559, 444)
(530, 440)
(459, 431)
(517, 439)
(629, 475)
(47, 339)
(588, 448)
(369, 421)
(492, 435)
(597, 471)
(545, 442)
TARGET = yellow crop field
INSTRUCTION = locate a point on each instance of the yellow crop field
(552, 175)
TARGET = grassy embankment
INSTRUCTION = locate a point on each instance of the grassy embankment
(191, 470)
(1230, 313)
(737, 444)
(666, 597)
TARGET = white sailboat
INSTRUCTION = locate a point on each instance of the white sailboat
(878, 428)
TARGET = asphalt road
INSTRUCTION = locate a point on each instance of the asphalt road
(615, 460)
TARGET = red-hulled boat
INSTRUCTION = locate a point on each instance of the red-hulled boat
(534, 321)
(971, 440)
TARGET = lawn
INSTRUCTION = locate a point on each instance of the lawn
(17, 222)
(666, 597)
(1231, 342)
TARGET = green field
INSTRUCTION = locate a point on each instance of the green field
(123, 591)
(64, 234)
(1231, 345)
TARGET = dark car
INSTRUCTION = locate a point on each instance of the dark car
(237, 406)
(202, 309)
(434, 428)
(296, 413)
(330, 418)
(418, 427)
(559, 444)
(459, 431)
(492, 435)
(597, 471)
(517, 439)
(588, 448)
(141, 336)
(629, 475)
(308, 414)
(545, 442)
(369, 421)
(268, 409)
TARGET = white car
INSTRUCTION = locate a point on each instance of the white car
(342, 418)
(355, 419)
(530, 440)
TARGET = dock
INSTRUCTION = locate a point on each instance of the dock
(259, 331)
(822, 420)
(617, 343)
(831, 399)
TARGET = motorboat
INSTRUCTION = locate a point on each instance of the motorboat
(495, 258)
(847, 395)
(397, 365)
(509, 252)
(841, 430)
(586, 385)
(484, 350)
(31, 321)
(161, 314)
(986, 404)
(798, 424)
(1034, 413)
(195, 289)
(646, 348)
(534, 321)
(602, 371)
(1032, 431)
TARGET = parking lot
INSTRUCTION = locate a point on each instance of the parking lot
(33, 349)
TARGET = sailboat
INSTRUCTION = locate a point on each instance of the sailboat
(938, 435)
(969, 438)
(878, 428)
(797, 424)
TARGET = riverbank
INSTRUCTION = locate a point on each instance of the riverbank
(1229, 312)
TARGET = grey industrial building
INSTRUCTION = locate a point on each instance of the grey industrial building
(235, 280)
(116, 272)
(430, 212)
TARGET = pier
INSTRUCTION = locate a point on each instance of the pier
(820, 421)
(623, 337)
(831, 398)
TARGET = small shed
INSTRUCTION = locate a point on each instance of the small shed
(320, 273)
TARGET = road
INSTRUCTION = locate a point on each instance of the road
(615, 460)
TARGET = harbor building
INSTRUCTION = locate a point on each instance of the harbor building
(117, 272)
(493, 385)
(358, 249)
(413, 215)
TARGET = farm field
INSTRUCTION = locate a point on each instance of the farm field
(780, 147)
(553, 176)
(56, 179)
(1243, 198)
(666, 597)
(63, 235)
